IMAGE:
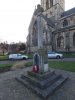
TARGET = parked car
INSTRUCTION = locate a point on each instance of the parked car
(54, 55)
(17, 57)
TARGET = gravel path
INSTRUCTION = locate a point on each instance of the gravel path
(10, 89)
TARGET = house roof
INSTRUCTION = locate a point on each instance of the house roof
(68, 12)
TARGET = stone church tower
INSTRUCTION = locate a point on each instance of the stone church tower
(49, 3)
(53, 8)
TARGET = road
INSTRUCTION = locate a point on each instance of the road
(7, 62)
(64, 59)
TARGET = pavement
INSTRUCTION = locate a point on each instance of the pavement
(10, 89)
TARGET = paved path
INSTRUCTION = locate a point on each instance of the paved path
(10, 89)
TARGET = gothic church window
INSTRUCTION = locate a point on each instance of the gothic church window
(45, 40)
(46, 37)
(74, 39)
(67, 40)
(47, 4)
(60, 41)
(34, 38)
(51, 3)
(65, 23)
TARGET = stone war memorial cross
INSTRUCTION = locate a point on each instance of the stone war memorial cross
(42, 51)
(41, 80)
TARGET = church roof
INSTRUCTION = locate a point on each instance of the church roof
(68, 12)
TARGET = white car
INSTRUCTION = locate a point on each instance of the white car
(54, 55)
(17, 57)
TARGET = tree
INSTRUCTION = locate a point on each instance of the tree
(22, 47)
(4, 47)
(17, 47)
(14, 48)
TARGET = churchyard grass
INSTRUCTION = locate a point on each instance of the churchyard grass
(68, 66)
(5, 65)
(28, 64)
(30, 55)
(5, 57)
(68, 54)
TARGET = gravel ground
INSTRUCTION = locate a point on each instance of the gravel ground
(10, 89)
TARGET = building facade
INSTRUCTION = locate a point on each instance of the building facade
(59, 38)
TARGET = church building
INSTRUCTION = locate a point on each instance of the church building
(61, 37)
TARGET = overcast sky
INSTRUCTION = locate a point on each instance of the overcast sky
(15, 16)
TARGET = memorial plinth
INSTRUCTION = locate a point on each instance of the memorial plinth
(42, 84)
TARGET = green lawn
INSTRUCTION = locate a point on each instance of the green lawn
(68, 55)
(69, 66)
(28, 64)
(3, 57)
(5, 65)
(30, 55)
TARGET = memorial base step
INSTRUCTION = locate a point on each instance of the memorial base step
(42, 84)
